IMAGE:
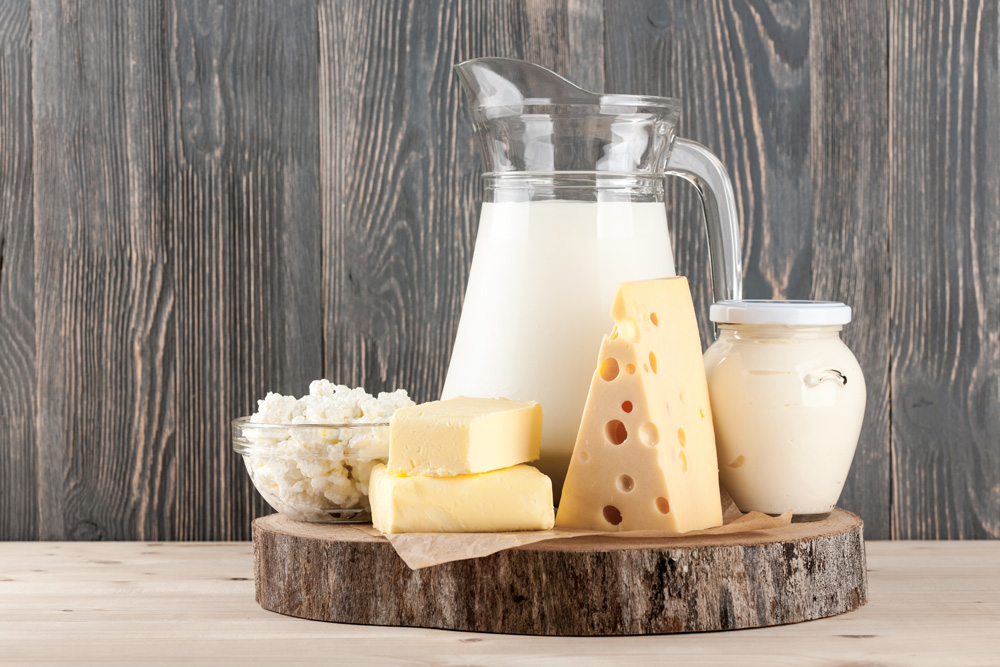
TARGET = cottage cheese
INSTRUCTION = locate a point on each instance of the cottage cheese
(304, 471)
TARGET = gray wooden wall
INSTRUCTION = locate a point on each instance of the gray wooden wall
(203, 201)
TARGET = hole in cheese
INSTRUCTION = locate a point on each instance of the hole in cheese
(652, 361)
(682, 398)
(654, 319)
(737, 462)
(612, 515)
(663, 505)
(584, 456)
(627, 406)
(626, 483)
(701, 412)
(681, 438)
(684, 462)
(629, 368)
(614, 333)
(615, 432)
(649, 434)
(609, 369)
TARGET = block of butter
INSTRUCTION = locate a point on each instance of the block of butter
(517, 498)
(463, 435)
(645, 454)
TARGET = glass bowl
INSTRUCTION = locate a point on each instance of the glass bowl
(313, 472)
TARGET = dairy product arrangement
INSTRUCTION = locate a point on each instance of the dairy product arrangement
(622, 417)
(574, 220)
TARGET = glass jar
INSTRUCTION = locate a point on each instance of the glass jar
(788, 400)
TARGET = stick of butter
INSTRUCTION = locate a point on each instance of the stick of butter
(463, 435)
(518, 498)
(645, 454)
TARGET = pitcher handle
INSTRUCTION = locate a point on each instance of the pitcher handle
(695, 163)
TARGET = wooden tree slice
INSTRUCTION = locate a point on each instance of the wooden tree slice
(580, 586)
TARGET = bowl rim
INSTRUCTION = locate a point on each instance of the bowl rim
(244, 422)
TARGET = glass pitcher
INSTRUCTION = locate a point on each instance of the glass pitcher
(574, 205)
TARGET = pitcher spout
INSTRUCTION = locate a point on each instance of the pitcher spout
(495, 82)
(528, 118)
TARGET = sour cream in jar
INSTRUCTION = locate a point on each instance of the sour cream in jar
(788, 399)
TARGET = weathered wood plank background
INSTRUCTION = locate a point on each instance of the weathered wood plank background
(203, 201)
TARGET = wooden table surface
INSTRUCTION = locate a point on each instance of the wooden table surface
(931, 603)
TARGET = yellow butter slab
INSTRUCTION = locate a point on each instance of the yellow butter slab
(464, 435)
(517, 498)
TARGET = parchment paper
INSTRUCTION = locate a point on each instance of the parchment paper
(420, 550)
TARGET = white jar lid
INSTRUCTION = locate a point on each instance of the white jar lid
(761, 311)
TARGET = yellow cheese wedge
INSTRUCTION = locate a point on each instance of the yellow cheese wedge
(517, 498)
(645, 453)
(463, 435)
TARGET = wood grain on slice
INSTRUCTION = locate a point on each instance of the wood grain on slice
(849, 171)
(944, 213)
(581, 586)
(20, 500)
(244, 202)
